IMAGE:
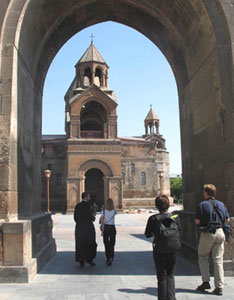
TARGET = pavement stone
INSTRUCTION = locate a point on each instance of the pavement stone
(132, 275)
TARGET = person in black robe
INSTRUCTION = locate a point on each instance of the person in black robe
(85, 234)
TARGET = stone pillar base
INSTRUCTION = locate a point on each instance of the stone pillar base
(18, 274)
(26, 246)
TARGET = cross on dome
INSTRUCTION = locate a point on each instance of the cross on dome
(92, 36)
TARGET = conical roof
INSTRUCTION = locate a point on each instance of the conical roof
(151, 116)
(92, 55)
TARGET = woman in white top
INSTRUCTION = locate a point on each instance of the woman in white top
(109, 234)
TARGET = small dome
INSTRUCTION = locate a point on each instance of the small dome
(151, 116)
(91, 55)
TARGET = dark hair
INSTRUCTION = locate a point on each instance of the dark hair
(162, 203)
(84, 195)
(210, 189)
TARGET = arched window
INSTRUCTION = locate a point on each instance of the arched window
(132, 168)
(143, 178)
(92, 118)
(87, 77)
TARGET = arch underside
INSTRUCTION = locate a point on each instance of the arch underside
(194, 38)
(94, 164)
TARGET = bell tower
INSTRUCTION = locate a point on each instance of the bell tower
(93, 147)
(151, 122)
(90, 104)
(91, 68)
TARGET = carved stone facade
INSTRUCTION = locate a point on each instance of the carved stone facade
(93, 157)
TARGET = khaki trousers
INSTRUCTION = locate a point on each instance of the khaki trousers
(212, 243)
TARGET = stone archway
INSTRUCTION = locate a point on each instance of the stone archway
(196, 38)
(111, 181)
(102, 167)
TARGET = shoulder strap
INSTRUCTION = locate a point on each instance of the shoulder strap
(215, 209)
(111, 216)
(162, 217)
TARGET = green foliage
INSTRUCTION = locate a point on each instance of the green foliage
(177, 188)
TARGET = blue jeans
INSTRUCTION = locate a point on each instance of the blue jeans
(165, 264)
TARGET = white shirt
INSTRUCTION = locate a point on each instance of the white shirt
(109, 216)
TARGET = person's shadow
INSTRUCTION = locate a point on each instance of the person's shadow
(149, 291)
(154, 291)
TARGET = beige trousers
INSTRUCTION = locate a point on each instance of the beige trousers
(212, 243)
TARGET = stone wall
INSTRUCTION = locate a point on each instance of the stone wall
(229, 249)
(229, 252)
(138, 160)
(138, 202)
(54, 158)
(163, 164)
(139, 157)
(43, 243)
(134, 184)
(1, 244)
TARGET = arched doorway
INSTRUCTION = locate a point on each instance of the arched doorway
(94, 185)
(90, 174)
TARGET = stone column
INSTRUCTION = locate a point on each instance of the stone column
(74, 190)
(105, 130)
(112, 126)
(82, 79)
(78, 127)
(102, 79)
(75, 127)
(106, 187)
(160, 174)
(146, 130)
(106, 77)
(157, 127)
(116, 190)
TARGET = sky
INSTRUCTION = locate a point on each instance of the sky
(139, 74)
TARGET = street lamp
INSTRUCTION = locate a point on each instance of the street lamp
(47, 175)
(161, 181)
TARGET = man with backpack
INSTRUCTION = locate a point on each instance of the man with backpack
(211, 216)
(166, 230)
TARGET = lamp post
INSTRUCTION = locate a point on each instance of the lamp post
(160, 181)
(47, 175)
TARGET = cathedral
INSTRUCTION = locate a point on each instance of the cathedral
(91, 157)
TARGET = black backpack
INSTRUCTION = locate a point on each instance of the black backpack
(167, 234)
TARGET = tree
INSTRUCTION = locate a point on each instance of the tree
(177, 188)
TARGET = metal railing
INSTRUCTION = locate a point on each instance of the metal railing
(91, 134)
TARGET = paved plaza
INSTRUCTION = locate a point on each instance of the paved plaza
(132, 275)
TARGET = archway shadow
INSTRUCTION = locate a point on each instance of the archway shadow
(137, 263)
